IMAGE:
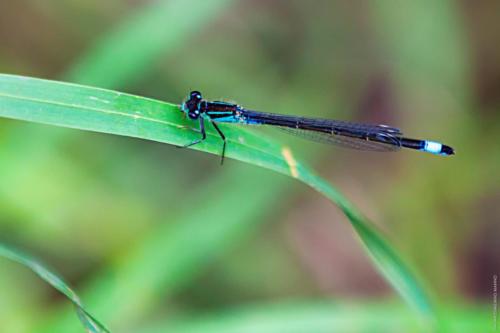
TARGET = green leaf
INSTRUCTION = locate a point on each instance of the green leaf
(91, 324)
(112, 112)
(320, 316)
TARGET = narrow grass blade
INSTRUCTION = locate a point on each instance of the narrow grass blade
(90, 323)
(116, 113)
(320, 316)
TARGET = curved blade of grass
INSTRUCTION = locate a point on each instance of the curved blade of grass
(128, 51)
(296, 317)
(112, 112)
(320, 316)
(89, 322)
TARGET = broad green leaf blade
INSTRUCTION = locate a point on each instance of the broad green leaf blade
(128, 51)
(106, 111)
(112, 112)
(91, 324)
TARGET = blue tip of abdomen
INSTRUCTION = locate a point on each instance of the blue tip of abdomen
(437, 148)
(432, 147)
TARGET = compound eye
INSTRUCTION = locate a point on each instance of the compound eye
(195, 95)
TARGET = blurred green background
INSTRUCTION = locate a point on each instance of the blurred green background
(158, 239)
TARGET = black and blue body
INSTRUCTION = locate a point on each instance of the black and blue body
(342, 133)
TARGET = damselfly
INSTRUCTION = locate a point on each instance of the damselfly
(342, 133)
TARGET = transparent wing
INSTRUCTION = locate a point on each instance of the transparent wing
(341, 133)
(349, 126)
(381, 141)
(264, 118)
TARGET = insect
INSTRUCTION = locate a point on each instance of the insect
(342, 133)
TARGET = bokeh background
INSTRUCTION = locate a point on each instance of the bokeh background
(158, 239)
